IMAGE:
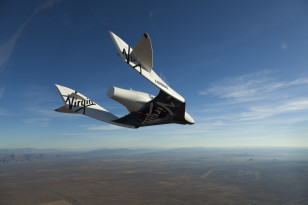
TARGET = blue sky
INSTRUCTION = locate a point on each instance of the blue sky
(242, 67)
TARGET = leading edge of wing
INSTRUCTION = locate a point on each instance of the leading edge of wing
(124, 51)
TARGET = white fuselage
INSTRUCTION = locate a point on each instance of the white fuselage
(131, 99)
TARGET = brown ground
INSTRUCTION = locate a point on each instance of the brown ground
(184, 176)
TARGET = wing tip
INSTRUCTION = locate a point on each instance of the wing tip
(112, 35)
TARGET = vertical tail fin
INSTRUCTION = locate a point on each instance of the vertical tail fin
(143, 52)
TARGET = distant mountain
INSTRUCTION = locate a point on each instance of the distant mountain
(21, 157)
(29, 154)
(116, 152)
(194, 153)
(29, 150)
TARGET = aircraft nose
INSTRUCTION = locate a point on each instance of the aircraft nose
(189, 119)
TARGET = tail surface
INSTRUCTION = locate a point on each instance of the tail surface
(77, 103)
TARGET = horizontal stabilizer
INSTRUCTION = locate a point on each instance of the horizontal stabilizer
(143, 52)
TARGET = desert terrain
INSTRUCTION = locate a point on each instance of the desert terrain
(154, 176)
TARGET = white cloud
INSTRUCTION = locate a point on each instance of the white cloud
(2, 92)
(283, 45)
(256, 97)
(75, 134)
(46, 5)
(4, 112)
(7, 48)
(268, 111)
(150, 15)
(250, 87)
(42, 122)
(238, 87)
(104, 127)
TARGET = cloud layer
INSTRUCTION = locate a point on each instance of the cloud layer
(258, 95)
(250, 87)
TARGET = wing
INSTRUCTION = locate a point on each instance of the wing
(77, 103)
(141, 60)
(163, 109)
